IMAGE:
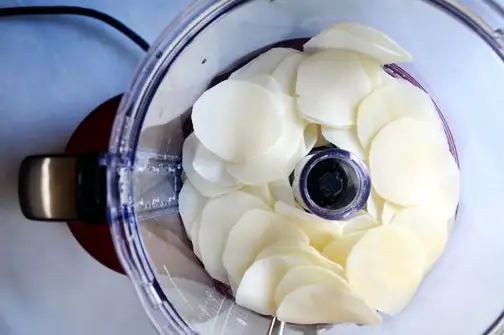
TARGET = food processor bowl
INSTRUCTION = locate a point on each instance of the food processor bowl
(458, 59)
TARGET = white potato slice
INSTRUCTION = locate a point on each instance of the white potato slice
(359, 38)
(345, 139)
(253, 231)
(361, 221)
(374, 205)
(329, 87)
(321, 141)
(257, 288)
(286, 72)
(319, 230)
(211, 167)
(262, 192)
(389, 103)
(308, 275)
(195, 236)
(432, 231)
(443, 202)
(265, 63)
(389, 212)
(217, 218)
(277, 161)
(376, 74)
(311, 138)
(281, 190)
(204, 186)
(267, 81)
(386, 267)
(301, 250)
(407, 161)
(190, 203)
(324, 303)
(227, 118)
(339, 249)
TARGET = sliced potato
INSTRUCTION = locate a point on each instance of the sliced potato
(308, 275)
(431, 230)
(320, 231)
(190, 203)
(374, 205)
(360, 222)
(257, 288)
(195, 236)
(268, 82)
(286, 72)
(262, 192)
(391, 102)
(253, 231)
(386, 267)
(329, 87)
(281, 190)
(338, 250)
(345, 139)
(217, 218)
(211, 167)
(276, 162)
(227, 118)
(389, 212)
(407, 160)
(301, 250)
(443, 202)
(321, 141)
(205, 187)
(311, 138)
(359, 38)
(376, 74)
(324, 303)
(265, 63)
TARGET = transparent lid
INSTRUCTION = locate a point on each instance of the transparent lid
(457, 59)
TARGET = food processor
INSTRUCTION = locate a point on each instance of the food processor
(458, 59)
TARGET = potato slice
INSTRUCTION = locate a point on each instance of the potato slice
(281, 190)
(360, 222)
(257, 288)
(374, 205)
(211, 167)
(386, 267)
(359, 38)
(320, 231)
(190, 203)
(432, 231)
(217, 218)
(204, 186)
(324, 303)
(329, 87)
(407, 161)
(262, 192)
(267, 81)
(308, 275)
(391, 102)
(301, 250)
(265, 63)
(345, 139)
(389, 212)
(195, 236)
(286, 72)
(339, 249)
(443, 202)
(311, 138)
(253, 231)
(376, 74)
(276, 162)
(227, 118)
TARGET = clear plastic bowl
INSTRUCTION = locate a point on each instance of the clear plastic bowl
(457, 58)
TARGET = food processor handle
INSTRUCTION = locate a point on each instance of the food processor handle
(64, 188)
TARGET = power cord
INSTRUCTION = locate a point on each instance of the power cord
(80, 11)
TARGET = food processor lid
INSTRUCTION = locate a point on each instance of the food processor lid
(177, 69)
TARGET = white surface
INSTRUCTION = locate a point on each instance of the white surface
(53, 71)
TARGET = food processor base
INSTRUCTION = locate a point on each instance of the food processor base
(92, 135)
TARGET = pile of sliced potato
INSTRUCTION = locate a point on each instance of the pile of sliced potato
(250, 132)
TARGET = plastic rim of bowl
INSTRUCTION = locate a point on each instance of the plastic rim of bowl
(126, 131)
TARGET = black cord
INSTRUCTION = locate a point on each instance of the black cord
(73, 10)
